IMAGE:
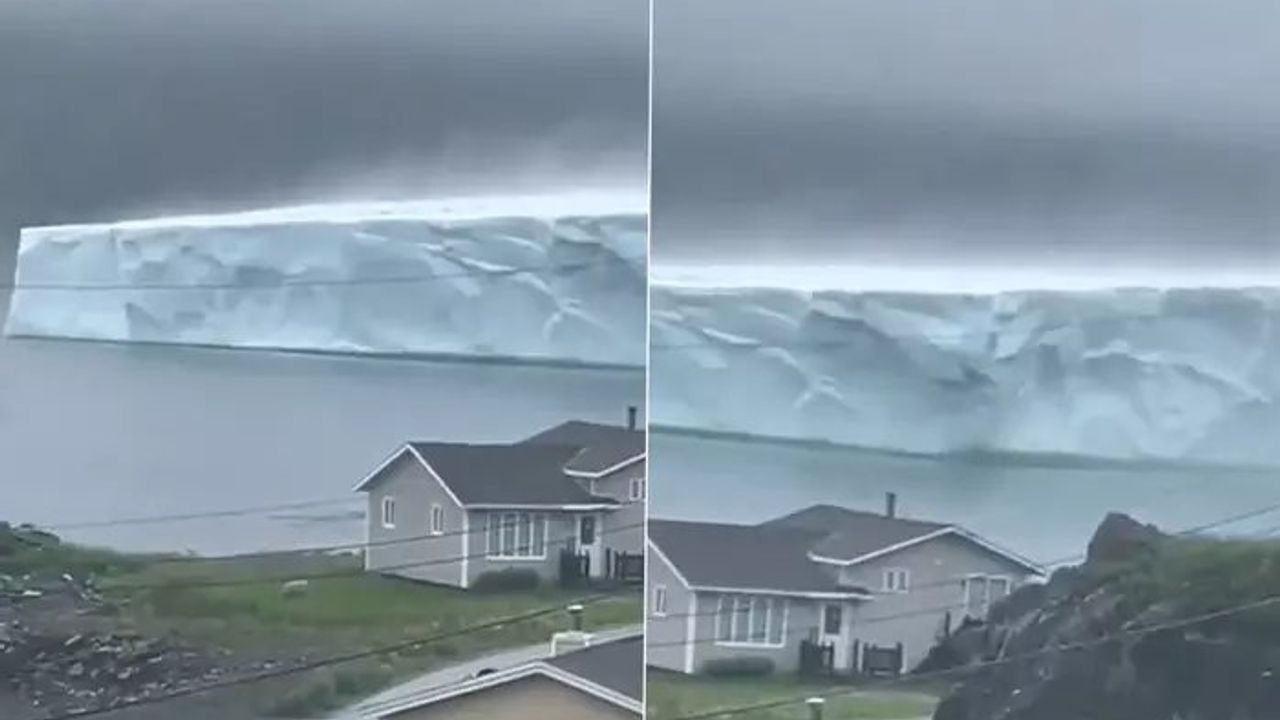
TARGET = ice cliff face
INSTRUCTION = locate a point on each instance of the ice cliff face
(558, 278)
(1121, 373)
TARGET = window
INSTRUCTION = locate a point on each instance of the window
(983, 591)
(637, 488)
(897, 580)
(832, 619)
(659, 608)
(516, 535)
(587, 530)
(388, 512)
(751, 620)
(437, 520)
(724, 619)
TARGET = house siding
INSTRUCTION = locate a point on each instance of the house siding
(802, 614)
(624, 527)
(562, 528)
(666, 636)
(535, 697)
(935, 567)
(428, 559)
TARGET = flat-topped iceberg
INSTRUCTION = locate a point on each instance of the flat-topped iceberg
(544, 278)
(1124, 373)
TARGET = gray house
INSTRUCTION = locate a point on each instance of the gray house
(855, 587)
(449, 512)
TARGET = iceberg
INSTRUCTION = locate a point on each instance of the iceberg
(558, 278)
(1121, 373)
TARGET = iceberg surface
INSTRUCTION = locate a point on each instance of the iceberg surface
(1128, 373)
(545, 278)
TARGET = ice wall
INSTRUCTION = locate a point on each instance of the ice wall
(1118, 373)
(559, 278)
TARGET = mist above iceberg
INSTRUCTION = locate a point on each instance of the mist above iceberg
(1126, 373)
(544, 278)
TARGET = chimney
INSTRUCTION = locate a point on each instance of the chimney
(632, 411)
(568, 641)
(891, 504)
(815, 707)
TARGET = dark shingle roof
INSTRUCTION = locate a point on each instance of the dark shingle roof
(602, 446)
(848, 534)
(759, 557)
(617, 665)
(506, 474)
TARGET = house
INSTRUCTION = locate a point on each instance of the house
(867, 592)
(448, 513)
(595, 681)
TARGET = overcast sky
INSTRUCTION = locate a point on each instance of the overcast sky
(951, 131)
(136, 107)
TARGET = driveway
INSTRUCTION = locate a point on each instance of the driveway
(466, 670)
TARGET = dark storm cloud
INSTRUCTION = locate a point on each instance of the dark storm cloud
(133, 107)
(1142, 130)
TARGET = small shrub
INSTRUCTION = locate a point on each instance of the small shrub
(356, 683)
(508, 580)
(308, 700)
(738, 667)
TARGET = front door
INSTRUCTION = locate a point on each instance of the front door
(589, 543)
(834, 632)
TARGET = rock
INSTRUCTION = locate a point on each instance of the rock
(1120, 538)
(294, 588)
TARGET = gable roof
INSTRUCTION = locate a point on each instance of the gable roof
(849, 534)
(849, 537)
(604, 448)
(499, 474)
(745, 557)
(611, 671)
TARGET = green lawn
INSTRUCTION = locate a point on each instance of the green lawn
(671, 695)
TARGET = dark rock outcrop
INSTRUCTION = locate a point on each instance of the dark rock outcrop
(1061, 651)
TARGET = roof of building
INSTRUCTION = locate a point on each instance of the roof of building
(506, 474)
(779, 554)
(747, 557)
(612, 671)
(603, 447)
(849, 534)
(617, 665)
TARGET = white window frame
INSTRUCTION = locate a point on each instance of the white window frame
(501, 517)
(636, 488)
(986, 599)
(902, 575)
(659, 608)
(773, 607)
(389, 512)
(437, 514)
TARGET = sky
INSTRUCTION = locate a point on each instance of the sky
(1001, 133)
(132, 108)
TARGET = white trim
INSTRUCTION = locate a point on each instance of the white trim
(890, 573)
(950, 530)
(408, 447)
(388, 509)
(632, 483)
(515, 545)
(502, 677)
(466, 549)
(431, 521)
(770, 603)
(690, 632)
(659, 608)
(360, 486)
(986, 600)
(666, 560)
(607, 471)
(784, 593)
(541, 508)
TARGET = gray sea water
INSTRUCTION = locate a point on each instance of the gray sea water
(1043, 511)
(98, 432)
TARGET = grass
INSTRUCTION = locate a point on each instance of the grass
(671, 695)
(236, 608)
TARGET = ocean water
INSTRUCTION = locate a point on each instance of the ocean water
(1046, 512)
(92, 433)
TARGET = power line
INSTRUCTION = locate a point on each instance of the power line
(184, 517)
(352, 572)
(331, 660)
(1062, 647)
(326, 282)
